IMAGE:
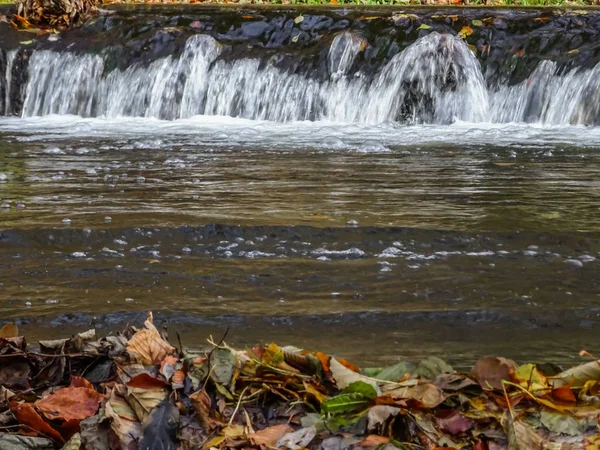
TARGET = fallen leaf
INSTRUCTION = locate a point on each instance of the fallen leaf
(562, 423)
(160, 428)
(490, 371)
(344, 403)
(143, 401)
(269, 436)
(14, 374)
(298, 439)
(148, 347)
(344, 377)
(146, 381)
(70, 403)
(455, 423)
(564, 394)
(373, 441)
(27, 415)
(125, 423)
(577, 376)
(10, 330)
(379, 414)
(427, 395)
(465, 32)
(521, 436)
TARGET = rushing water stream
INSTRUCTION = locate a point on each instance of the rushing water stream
(310, 180)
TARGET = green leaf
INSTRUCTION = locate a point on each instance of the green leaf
(562, 423)
(223, 390)
(344, 403)
(477, 23)
(395, 372)
(27, 42)
(431, 367)
(360, 387)
(424, 26)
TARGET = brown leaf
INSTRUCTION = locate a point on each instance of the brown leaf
(10, 330)
(15, 374)
(426, 395)
(202, 405)
(269, 436)
(455, 423)
(28, 416)
(80, 382)
(147, 347)
(70, 403)
(143, 401)
(373, 441)
(490, 371)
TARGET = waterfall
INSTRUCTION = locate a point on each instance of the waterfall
(6, 65)
(437, 79)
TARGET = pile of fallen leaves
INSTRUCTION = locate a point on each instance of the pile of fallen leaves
(52, 14)
(134, 390)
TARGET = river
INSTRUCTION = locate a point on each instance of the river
(423, 198)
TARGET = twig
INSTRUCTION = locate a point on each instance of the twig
(238, 405)
(210, 355)
(510, 410)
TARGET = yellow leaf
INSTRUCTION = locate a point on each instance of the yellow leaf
(299, 19)
(424, 27)
(9, 330)
(214, 442)
(465, 31)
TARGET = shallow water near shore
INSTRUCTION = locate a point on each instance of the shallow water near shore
(376, 187)
(467, 240)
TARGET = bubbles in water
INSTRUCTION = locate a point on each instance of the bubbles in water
(333, 142)
(66, 221)
(53, 151)
(372, 146)
(352, 223)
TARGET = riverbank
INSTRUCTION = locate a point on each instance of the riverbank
(141, 388)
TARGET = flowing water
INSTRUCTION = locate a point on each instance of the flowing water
(425, 202)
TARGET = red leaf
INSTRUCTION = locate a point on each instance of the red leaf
(564, 394)
(28, 416)
(145, 381)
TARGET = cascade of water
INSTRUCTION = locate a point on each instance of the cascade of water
(551, 98)
(437, 79)
(6, 82)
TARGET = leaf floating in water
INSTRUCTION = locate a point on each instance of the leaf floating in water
(27, 42)
(10, 330)
(424, 26)
(299, 19)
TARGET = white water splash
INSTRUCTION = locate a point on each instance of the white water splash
(10, 60)
(436, 80)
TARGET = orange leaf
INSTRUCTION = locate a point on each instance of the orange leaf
(178, 377)
(269, 436)
(564, 394)
(348, 365)
(324, 361)
(70, 403)
(373, 441)
(80, 382)
(28, 416)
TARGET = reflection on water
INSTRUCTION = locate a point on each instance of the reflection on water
(513, 269)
